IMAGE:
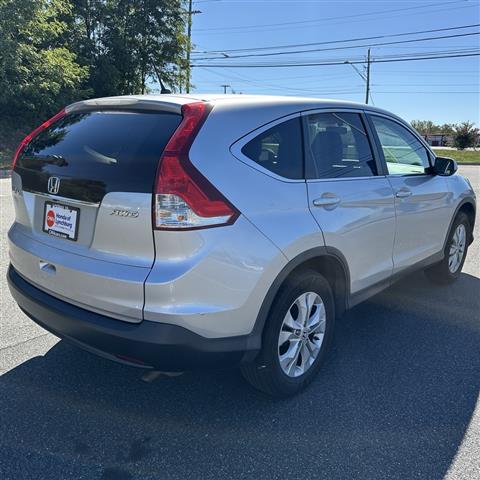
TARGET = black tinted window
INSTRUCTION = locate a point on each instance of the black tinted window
(338, 146)
(98, 152)
(279, 149)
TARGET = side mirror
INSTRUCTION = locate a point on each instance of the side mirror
(444, 166)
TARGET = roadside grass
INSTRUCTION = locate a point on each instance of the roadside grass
(463, 157)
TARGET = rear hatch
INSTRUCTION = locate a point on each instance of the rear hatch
(82, 190)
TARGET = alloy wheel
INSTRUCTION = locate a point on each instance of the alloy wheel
(457, 248)
(301, 334)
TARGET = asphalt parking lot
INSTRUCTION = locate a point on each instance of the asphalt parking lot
(397, 399)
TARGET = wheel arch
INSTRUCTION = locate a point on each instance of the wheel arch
(469, 209)
(467, 205)
(327, 261)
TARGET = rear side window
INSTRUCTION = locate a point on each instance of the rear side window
(279, 149)
(337, 146)
(95, 153)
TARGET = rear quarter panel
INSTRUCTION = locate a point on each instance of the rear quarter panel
(211, 281)
(278, 208)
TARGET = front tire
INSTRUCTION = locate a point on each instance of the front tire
(450, 268)
(296, 338)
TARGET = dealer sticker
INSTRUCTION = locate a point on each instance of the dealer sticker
(61, 220)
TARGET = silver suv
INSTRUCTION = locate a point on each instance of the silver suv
(173, 232)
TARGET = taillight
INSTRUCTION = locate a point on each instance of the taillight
(33, 134)
(183, 198)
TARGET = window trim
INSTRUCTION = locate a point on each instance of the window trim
(236, 148)
(370, 138)
(401, 123)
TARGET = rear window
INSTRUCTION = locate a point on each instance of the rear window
(98, 152)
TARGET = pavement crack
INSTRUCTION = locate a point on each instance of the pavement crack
(24, 341)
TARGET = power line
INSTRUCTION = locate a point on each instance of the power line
(337, 76)
(262, 83)
(423, 85)
(450, 92)
(359, 58)
(463, 73)
(317, 81)
(358, 39)
(326, 63)
(322, 20)
(294, 52)
(349, 22)
(424, 53)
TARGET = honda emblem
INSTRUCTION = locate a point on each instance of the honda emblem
(53, 185)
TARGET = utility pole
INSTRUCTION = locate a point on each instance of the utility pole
(189, 42)
(225, 88)
(367, 93)
(365, 78)
(189, 45)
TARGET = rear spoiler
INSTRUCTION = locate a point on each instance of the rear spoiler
(125, 103)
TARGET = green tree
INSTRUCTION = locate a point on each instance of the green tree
(424, 127)
(54, 52)
(128, 45)
(427, 127)
(39, 73)
(446, 129)
(465, 135)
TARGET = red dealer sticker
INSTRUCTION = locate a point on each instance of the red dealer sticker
(50, 218)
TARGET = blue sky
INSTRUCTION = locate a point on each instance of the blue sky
(441, 90)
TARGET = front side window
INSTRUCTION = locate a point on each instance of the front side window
(279, 149)
(337, 146)
(403, 152)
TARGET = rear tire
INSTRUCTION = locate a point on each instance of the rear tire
(296, 338)
(450, 268)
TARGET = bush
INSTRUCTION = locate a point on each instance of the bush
(465, 135)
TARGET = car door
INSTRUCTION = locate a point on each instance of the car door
(351, 202)
(421, 198)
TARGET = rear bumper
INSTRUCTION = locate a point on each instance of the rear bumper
(147, 344)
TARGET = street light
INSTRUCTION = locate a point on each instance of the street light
(362, 76)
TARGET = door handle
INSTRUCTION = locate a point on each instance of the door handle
(403, 193)
(326, 200)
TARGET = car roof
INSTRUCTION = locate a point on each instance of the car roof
(265, 100)
(235, 100)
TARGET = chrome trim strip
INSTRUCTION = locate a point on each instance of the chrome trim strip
(345, 179)
(67, 200)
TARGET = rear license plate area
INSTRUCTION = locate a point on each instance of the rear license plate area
(60, 220)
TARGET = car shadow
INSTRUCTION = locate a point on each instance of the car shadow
(393, 400)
